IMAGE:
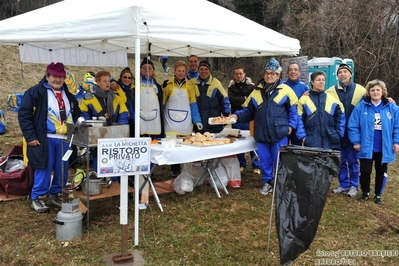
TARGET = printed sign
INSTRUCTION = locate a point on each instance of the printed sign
(72, 56)
(123, 156)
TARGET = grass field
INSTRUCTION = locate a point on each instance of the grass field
(195, 228)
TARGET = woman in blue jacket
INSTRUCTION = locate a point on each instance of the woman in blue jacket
(321, 117)
(373, 129)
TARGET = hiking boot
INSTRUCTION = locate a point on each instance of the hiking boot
(352, 192)
(39, 206)
(55, 200)
(377, 200)
(266, 189)
(364, 197)
(340, 190)
(257, 171)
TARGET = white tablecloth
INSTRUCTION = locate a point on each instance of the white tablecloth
(185, 153)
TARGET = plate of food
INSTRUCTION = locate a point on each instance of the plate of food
(206, 140)
(221, 120)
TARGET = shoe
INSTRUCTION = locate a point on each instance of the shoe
(242, 169)
(39, 206)
(377, 200)
(266, 189)
(55, 200)
(257, 171)
(174, 173)
(340, 190)
(364, 197)
(352, 192)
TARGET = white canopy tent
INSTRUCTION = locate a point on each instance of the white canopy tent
(70, 29)
(101, 33)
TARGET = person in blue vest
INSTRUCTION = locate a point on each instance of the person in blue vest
(350, 94)
(294, 72)
(321, 117)
(273, 107)
(45, 110)
(164, 59)
(373, 129)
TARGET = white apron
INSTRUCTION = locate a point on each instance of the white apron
(177, 113)
(150, 112)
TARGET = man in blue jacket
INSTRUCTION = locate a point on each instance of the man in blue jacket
(350, 94)
(294, 72)
(273, 107)
(45, 110)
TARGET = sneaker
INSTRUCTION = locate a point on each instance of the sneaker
(55, 200)
(242, 169)
(377, 200)
(364, 197)
(266, 189)
(39, 206)
(340, 190)
(174, 173)
(352, 192)
(257, 171)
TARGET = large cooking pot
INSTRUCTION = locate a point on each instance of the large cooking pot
(92, 186)
(94, 123)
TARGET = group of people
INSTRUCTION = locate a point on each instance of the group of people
(360, 122)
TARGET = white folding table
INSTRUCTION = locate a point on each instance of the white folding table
(187, 153)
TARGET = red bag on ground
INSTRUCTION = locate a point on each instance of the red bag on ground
(18, 182)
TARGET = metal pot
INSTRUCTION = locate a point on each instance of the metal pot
(92, 186)
(94, 123)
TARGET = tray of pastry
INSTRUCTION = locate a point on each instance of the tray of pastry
(221, 120)
(206, 140)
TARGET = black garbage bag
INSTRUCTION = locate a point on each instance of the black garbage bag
(303, 181)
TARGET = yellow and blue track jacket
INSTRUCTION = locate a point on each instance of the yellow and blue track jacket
(349, 96)
(361, 129)
(321, 120)
(189, 88)
(126, 92)
(272, 115)
(39, 116)
(212, 100)
(91, 107)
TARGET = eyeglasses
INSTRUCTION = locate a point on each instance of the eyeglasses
(293, 69)
(147, 68)
(126, 77)
(270, 73)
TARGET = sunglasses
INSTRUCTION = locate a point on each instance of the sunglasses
(126, 77)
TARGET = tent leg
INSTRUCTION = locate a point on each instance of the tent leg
(271, 210)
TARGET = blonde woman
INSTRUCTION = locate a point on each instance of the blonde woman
(373, 129)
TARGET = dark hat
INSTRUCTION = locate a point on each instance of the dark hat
(126, 70)
(147, 61)
(273, 65)
(344, 66)
(204, 63)
(56, 69)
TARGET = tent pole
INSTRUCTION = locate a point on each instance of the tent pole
(136, 135)
(271, 209)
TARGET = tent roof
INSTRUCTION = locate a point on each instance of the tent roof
(174, 28)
